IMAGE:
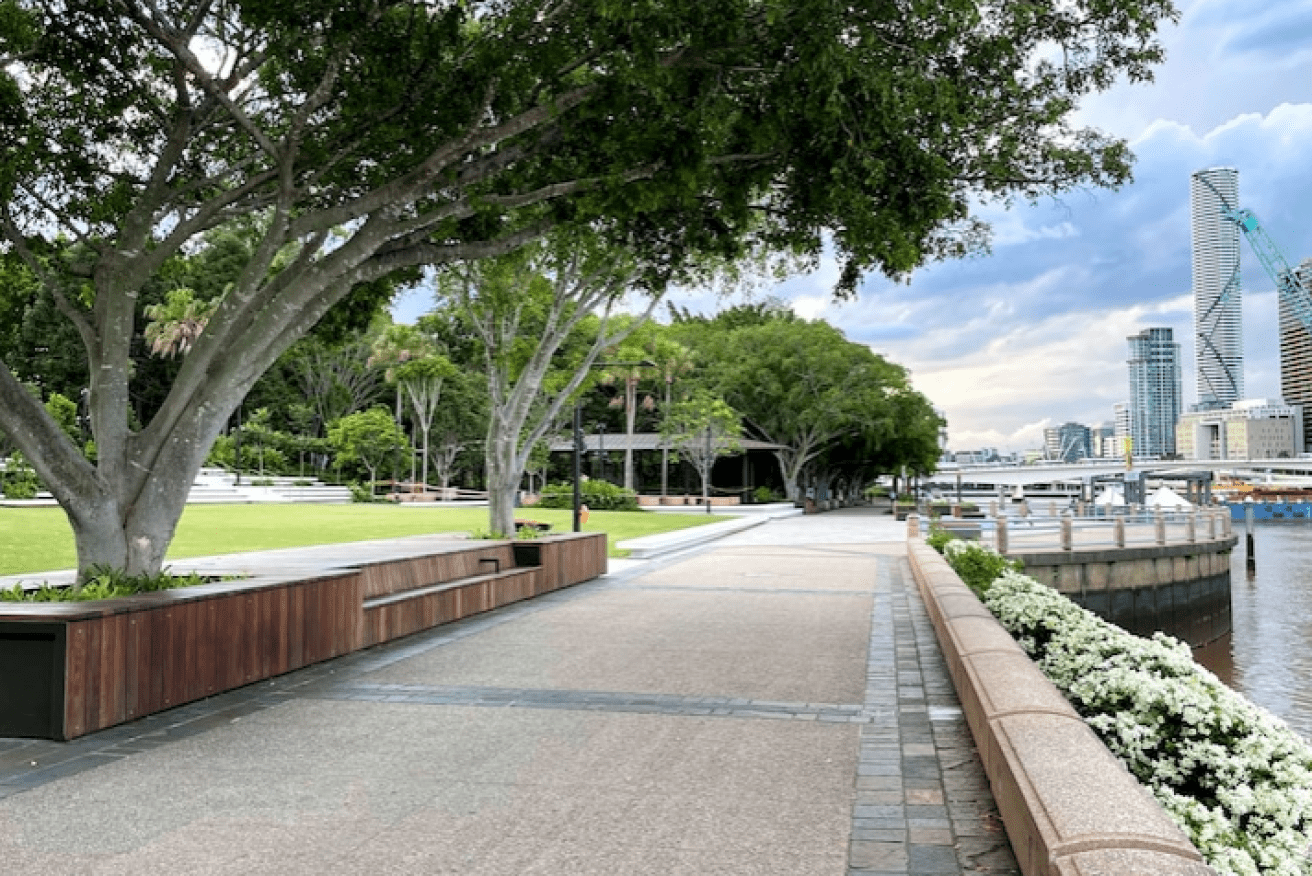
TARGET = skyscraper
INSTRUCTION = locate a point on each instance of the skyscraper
(1218, 326)
(1155, 394)
(1296, 357)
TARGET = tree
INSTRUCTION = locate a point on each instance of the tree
(673, 360)
(361, 140)
(525, 307)
(800, 385)
(702, 428)
(369, 437)
(414, 364)
(336, 379)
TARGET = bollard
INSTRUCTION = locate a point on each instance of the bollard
(913, 526)
(1118, 528)
(1159, 523)
(1066, 540)
(1250, 561)
(1000, 535)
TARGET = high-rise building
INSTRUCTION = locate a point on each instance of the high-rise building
(1121, 425)
(1102, 441)
(1068, 442)
(1296, 357)
(1218, 326)
(1155, 393)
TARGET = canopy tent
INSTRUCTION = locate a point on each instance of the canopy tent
(1165, 497)
(1113, 495)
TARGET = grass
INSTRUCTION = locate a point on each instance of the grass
(39, 539)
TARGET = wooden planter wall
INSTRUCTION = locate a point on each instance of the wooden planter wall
(74, 668)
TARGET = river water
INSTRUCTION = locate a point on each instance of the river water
(1268, 656)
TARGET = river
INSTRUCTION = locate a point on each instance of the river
(1268, 656)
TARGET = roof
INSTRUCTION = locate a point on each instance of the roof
(639, 441)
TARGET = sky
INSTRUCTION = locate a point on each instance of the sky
(1033, 334)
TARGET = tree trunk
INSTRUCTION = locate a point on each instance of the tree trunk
(503, 474)
(630, 418)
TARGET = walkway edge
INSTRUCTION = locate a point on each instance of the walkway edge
(650, 546)
(1070, 808)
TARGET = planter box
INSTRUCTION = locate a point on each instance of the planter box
(67, 669)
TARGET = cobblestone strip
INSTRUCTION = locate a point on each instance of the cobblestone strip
(922, 805)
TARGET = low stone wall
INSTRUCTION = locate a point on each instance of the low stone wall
(1070, 808)
(1181, 589)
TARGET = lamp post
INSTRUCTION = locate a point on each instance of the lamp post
(578, 437)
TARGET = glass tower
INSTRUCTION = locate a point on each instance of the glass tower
(1154, 391)
(1218, 325)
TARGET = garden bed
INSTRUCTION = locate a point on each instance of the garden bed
(67, 669)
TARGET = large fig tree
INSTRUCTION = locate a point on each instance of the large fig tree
(366, 137)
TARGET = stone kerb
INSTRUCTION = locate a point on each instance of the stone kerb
(1070, 808)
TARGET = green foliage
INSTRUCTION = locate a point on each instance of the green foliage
(598, 495)
(369, 437)
(764, 495)
(938, 537)
(103, 583)
(361, 492)
(977, 565)
(20, 482)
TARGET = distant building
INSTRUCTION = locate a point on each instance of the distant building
(1121, 424)
(976, 457)
(1155, 394)
(1102, 441)
(1250, 429)
(1218, 325)
(1296, 357)
(1068, 442)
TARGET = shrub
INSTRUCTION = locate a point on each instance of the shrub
(976, 564)
(362, 492)
(938, 537)
(764, 495)
(1235, 778)
(21, 485)
(597, 495)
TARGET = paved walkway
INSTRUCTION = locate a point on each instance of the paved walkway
(774, 703)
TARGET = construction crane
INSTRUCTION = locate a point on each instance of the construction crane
(1292, 292)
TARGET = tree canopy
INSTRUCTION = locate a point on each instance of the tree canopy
(354, 142)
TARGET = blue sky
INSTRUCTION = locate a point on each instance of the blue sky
(1034, 334)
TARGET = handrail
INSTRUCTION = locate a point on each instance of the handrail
(1133, 526)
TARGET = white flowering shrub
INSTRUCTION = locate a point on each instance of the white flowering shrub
(1235, 778)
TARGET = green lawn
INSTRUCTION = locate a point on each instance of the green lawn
(39, 539)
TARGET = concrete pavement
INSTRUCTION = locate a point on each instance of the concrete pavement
(773, 703)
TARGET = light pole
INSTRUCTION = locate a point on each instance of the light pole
(578, 436)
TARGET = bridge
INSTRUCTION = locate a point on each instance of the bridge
(1105, 469)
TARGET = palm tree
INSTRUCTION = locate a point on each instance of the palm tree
(177, 322)
(672, 361)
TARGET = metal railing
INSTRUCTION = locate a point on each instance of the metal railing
(1019, 532)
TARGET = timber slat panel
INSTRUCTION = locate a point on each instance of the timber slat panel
(125, 660)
